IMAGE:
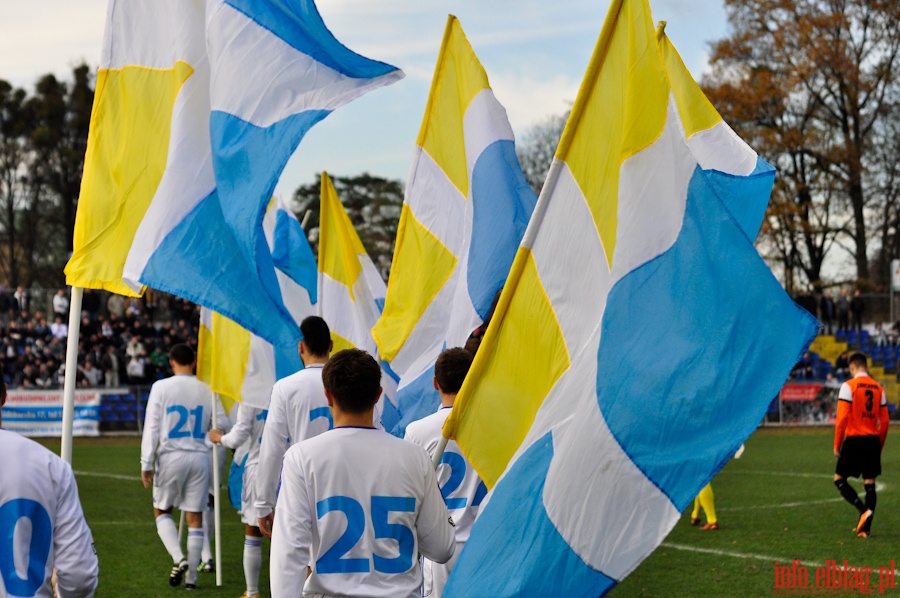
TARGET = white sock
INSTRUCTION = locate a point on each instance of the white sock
(208, 526)
(252, 563)
(168, 533)
(195, 546)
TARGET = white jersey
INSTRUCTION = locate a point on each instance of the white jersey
(358, 505)
(298, 410)
(460, 485)
(38, 486)
(247, 431)
(178, 418)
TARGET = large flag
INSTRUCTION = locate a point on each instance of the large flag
(198, 107)
(239, 365)
(638, 340)
(351, 291)
(466, 208)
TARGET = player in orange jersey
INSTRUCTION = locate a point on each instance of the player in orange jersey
(859, 435)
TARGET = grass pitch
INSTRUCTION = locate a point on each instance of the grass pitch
(776, 503)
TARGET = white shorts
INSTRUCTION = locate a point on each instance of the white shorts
(181, 480)
(436, 574)
(248, 495)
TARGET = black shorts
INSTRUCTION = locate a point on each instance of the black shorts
(860, 455)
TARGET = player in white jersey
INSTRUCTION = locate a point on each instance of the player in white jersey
(178, 417)
(247, 431)
(356, 503)
(460, 485)
(297, 411)
(38, 486)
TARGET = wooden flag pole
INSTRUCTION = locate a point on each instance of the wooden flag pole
(68, 412)
(439, 452)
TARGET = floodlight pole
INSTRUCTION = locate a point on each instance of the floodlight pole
(68, 412)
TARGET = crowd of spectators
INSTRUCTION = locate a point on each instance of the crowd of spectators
(122, 341)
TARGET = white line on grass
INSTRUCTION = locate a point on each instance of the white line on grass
(737, 555)
(115, 476)
(784, 505)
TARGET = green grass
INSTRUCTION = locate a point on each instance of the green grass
(780, 467)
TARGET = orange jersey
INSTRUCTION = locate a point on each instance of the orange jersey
(862, 410)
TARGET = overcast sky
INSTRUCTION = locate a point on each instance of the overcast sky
(535, 54)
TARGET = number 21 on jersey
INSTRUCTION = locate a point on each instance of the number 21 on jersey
(181, 429)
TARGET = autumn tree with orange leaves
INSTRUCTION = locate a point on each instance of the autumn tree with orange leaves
(813, 86)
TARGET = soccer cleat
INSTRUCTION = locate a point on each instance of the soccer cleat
(710, 526)
(695, 521)
(246, 595)
(862, 534)
(190, 586)
(865, 522)
(177, 574)
(207, 567)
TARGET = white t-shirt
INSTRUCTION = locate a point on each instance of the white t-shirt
(358, 505)
(298, 410)
(247, 431)
(178, 418)
(459, 482)
(37, 485)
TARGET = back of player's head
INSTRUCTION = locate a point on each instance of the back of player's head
(451, 368)
(859, 359)
(182, 354)
(353, 378)
(316, 335)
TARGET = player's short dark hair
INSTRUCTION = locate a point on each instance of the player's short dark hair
(182, 354)
(316, 335)
(859, 359)
(353, 378)
(451, 368)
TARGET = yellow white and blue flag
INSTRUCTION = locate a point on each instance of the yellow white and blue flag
(198, 107)
(466, 207)
(638, 340)
(239, 365)
(351, 292)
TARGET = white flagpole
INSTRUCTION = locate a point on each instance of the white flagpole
(439, 451)
(216, 482)
(68, 413)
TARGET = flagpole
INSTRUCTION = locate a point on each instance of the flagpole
(68, 412)
(216, 512)
(439, 452)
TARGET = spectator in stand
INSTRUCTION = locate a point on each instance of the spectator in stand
(45, 378)
(59, 329)
(26, 377)
(23, 299)
(135, 370)
(826, 311)
(91, 374)
(61, 304)
(115, 305)
(803, 370)
(134, 348)
(857, 307)
(879, 336)
(111, 364)
(106, 328)
(90, 303)
(6, 306)
(843, 312)
(842, 366)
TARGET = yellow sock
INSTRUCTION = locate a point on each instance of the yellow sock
(706, 499)
(695, 514)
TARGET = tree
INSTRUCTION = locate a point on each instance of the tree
(808, 83)
(15, 130)
(373, 204)
(537, 147)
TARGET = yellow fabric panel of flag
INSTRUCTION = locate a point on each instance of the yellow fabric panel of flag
(413, 285)
(223, 354)
(339, 245)
(459, 79)
(620, 110)
(121, 176)
(528, 355)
